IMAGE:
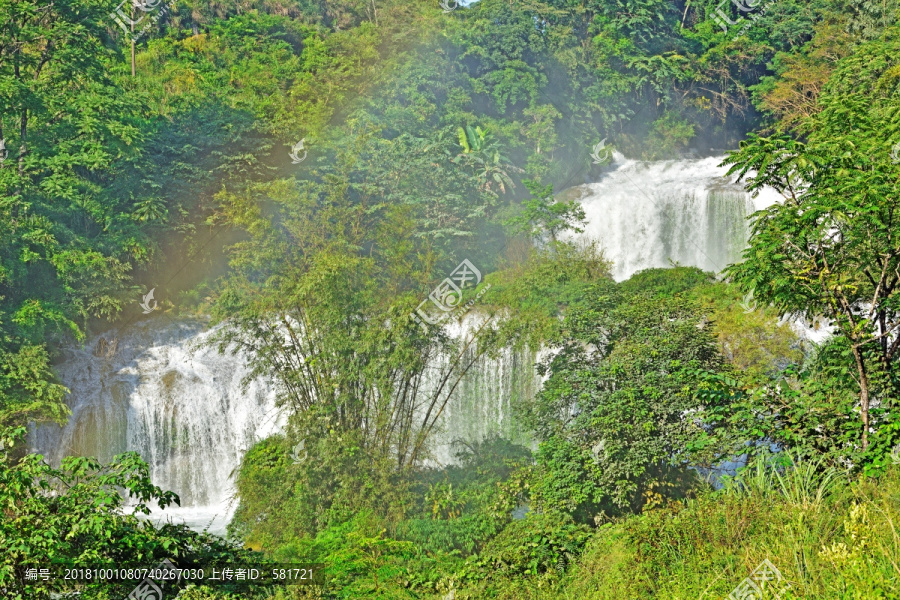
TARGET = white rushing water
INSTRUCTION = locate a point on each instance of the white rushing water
(482, 403)
(651, 214)
(162, 392)
(159, 391)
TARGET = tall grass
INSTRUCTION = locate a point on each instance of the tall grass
(830, 536)
(802, 483)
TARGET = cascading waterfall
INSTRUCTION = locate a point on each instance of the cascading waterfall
(158, 389)
(650, 214)
(482, 403)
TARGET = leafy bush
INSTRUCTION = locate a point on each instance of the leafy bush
(74, 517)
(666, 282)
(536, 545)
(282, 500)
(611, 417)
(359, 559)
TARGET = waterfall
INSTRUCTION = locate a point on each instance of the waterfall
(482, 403)
(650, 214)
(159, 390)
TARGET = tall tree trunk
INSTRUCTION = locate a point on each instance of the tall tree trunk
(23, 145)
(132, 42)
(863, 395)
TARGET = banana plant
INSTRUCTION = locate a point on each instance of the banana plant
(471, 140)
(482, 153)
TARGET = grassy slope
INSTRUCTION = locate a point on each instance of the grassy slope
(844, 547)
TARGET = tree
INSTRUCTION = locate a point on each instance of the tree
(542, 215)
(617, 419)
(832, 248)
(792, 96)
(61, 126)
(481, 153)
(28, 388)
(805, 408)
(323, 295)
(45, 47)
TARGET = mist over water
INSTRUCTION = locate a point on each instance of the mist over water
(162, 392)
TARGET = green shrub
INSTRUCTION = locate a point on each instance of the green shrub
(843, 546)
(535, 545)
(75, 516)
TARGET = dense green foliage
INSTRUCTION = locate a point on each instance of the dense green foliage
(72, 517)
(610, 417)
(107, 179)
(830, 249)
(430, 136)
